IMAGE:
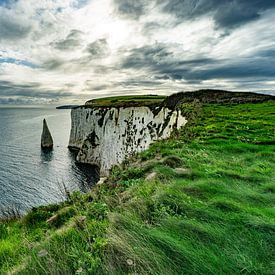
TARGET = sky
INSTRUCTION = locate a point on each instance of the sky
(69, 51)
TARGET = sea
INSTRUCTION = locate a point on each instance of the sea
(30, 177)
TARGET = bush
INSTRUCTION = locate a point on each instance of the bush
(36, 216)
(173, 161)
(63, 216)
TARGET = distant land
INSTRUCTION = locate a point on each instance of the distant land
(67, 106)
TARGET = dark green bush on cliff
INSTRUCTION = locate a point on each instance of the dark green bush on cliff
(173, 161)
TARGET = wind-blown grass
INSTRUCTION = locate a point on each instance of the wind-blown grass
(207, 207)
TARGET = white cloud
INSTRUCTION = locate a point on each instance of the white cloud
(57, 35)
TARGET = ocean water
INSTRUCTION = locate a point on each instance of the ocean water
(28, 176)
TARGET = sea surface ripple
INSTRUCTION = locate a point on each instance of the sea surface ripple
(28, 176)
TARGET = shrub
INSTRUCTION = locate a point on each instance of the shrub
(36, 216)
(173, 161)
(63, 216)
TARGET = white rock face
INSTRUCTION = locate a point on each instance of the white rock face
(106, 136)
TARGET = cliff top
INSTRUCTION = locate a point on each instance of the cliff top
(126, 101)
(215, 96)
(205, 96)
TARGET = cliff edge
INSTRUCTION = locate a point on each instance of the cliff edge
(105, 136)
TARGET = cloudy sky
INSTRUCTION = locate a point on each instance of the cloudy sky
(68, 51)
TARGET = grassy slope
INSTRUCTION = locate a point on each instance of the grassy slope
(129, 101)
(215, 215)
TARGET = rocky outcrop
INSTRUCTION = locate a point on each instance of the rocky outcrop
(215, 96)
(46, 137)
(106, 136)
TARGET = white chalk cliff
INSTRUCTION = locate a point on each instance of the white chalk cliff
(106, 136)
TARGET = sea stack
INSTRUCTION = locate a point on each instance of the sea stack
(46, 138)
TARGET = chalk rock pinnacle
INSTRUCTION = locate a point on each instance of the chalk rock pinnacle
(46, 137)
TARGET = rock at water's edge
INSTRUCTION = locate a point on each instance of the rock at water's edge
(46, 137)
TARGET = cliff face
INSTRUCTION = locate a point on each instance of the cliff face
(106, 136)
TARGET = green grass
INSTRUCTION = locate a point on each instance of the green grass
(209, 209)
(126, 101)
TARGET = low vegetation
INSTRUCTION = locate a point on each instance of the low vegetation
(201, 202)
(129, 101)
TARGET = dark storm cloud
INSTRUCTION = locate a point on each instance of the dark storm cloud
(34, 90)
(153, 27)
(22, 100)
(52, 64)
(158, 58)
(267, 53)
(134, 83)
(95, 50)
(98, 87)
(226, 14)
(243, 68)
(12, 28)
(147, 57)
(130, 8)
(98, 48)
(10, 100)
(163, 64)
(72, 41)
(91, 85)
